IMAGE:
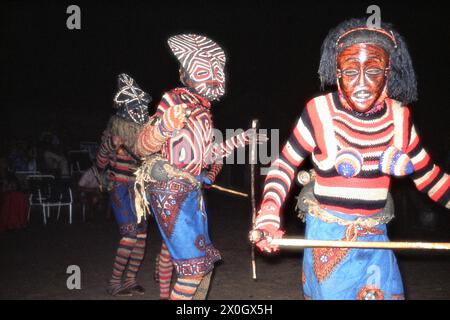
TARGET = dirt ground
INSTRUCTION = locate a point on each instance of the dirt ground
(34, 260)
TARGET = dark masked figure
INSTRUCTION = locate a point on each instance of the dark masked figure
(116, 157)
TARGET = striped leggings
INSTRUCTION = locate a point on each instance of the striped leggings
(129, 256)
(184, 288)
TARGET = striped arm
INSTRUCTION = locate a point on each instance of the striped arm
(121, 164)
(226, 148)
(268, 217)
(173, 119)
(279, 179)
(168, 100)
(214, 171)
(428, 177)
(106, 148)
(150, 140)
(153, 135)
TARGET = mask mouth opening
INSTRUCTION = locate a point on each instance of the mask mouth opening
(362, 95)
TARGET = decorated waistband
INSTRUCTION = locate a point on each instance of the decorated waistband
(171, 185)
(353, 228)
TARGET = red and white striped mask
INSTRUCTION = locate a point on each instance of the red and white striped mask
(203, 61)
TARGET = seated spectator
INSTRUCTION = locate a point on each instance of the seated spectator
(51, 160)
(17, 158)
(91, 194)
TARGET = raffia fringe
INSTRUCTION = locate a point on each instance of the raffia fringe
(143, 177)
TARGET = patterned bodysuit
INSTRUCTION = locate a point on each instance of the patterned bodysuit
(178, 207)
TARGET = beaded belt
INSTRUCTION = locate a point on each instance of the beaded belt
(352, 226)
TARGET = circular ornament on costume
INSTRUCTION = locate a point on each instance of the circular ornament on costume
(394, 162)
(370, 293)
(303, 178)
(348, 162)
(200, 242)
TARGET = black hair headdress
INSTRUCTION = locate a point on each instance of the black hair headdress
(401, 81)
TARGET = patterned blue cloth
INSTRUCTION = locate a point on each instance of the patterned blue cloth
(122, 203)
(349, 274)
(180, 213)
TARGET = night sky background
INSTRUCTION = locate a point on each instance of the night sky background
(64, 80)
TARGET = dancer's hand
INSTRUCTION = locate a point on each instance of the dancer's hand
(263, 238)
(204, 179)
(267, 227)
(174, 118)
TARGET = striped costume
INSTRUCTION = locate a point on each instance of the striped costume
(189, 150)
(132, 112)
(121, 170)
(377, 144)
(192, 150)
(121, 164)
(183, 133)
(133, 236)
(179, 210)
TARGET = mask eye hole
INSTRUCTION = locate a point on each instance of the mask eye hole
(350, 72)
(374, 71)
(201, 74)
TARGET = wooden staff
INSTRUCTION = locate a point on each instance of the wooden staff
(303, 243)
(231, 191)
(253, 160)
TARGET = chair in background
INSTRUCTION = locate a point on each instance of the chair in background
(64, 197)
(47, 193)
(79, 161)
(40, 188)
(22, 178)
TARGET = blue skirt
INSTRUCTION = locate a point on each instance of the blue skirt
(182, 220)
(122, 203)
(349, 274)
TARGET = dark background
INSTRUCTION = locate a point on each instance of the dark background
(52, 76)
(64, 80)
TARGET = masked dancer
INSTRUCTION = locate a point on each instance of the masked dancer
(116, 156)
(359, 137)
(183, 134)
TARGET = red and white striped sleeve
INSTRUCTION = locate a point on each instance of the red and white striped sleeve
(168, 100)
(283, 170)
(428, 177)
(106, 148)
(147, 144)
(224, 149)
(214, 171)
